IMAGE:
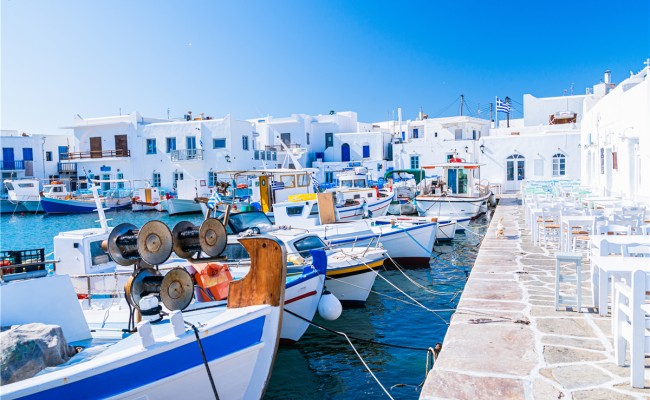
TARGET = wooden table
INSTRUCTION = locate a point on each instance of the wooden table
(602, 268)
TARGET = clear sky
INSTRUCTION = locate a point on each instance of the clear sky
(256, 58)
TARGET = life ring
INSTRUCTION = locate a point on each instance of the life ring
(455, 160)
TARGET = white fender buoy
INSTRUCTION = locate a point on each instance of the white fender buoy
(329, 307)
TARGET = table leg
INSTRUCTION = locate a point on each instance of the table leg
(603, 289)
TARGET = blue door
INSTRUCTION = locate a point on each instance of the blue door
(451, 180)
(8, 158)
(345, 152)
(63, 153)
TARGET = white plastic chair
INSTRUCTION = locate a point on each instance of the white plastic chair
(631, 324)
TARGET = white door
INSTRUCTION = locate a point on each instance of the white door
(515, 172)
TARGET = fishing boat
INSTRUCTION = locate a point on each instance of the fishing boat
(23, 195)
(408, 244)
(454, 194)
(147, 199)
(218, 350)
(56, 199)
(355, 199)
(188, 190)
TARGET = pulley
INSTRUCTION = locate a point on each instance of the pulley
(188, 239)
(122, 244)
(177, 289)
(144, 282)
(155, 242)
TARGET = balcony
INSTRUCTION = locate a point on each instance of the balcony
(14, 165)
(66, 168)
(279, 148)
(96, 154)
(187, 155)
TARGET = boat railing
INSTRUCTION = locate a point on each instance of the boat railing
(24, 264)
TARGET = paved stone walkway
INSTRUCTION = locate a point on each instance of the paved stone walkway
(506, 341)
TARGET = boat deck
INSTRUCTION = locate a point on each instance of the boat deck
(507, 341)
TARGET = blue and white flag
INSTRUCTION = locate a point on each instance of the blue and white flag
(277, 185)
(214, 199)
(502, 106)
(315, 183)
(90, 182)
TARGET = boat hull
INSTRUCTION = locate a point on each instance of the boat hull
(352, 284)
(439, 206)
(62, 206)
(7, 207)
(177, 206)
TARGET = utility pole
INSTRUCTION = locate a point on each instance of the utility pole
(508, 113)
(491, 111)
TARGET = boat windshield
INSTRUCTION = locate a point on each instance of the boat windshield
(308, 243)
(239, 222)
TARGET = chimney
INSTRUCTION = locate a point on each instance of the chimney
(608, 77)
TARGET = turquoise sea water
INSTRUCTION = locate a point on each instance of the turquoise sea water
(323, 365)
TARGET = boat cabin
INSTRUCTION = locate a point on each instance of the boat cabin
(22, 190)
(56, 189)
(80, 252)
(456, 178)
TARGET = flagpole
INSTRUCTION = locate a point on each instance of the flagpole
(496, 114)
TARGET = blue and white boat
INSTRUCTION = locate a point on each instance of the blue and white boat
(211, 349)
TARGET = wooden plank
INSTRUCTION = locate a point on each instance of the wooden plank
(326, 208)
(266, 280)
(121, 146)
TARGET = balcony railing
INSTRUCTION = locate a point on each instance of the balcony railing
(67, 167)
(188, 154)
(13, 165)
(278, 147)
(96, 154)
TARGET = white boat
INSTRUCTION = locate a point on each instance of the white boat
(147, 199)
(404, 183)
(454, 195)
(188, 190)
(24, 193)
(355, 199)
(405, 243)
(216, 350)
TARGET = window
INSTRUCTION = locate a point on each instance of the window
(212, 178)
(120, 185)
(286, 138)
(415, 133)
(474, 134)
(28, 155)
(190, 143)
(97, 253)
(244, 142)
(257, 154)
(288, 180)
(151, 146)
(219, 143)
(458, 134)
(329, 177)
(415, 162)
(559, 164)
(178, 176)
(303, 180)
(48, 156)
(366, 151)
(307, 135)
(329, 140)
(155, 178)
(308, 243)
(171, 145)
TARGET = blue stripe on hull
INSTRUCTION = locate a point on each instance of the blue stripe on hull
(54, 206)
(160, 366)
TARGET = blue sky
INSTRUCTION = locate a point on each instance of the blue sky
(257, 58)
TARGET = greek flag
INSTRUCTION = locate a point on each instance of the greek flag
(315, 183)
(502, 106)
(90, 182)
(277, 185)
(214, 199)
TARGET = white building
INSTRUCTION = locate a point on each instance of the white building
(195, 149)
(107, 147)
(543, 145)
(615, 137)
(32, 156)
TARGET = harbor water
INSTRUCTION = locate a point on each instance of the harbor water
(323, 365)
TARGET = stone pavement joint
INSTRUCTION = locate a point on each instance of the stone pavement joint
(507, 341)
